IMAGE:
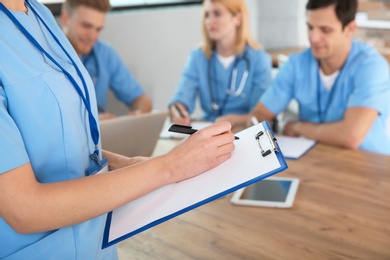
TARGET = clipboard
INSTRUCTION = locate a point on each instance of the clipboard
(256, 157)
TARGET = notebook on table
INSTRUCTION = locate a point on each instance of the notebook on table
(132, 135)
(294, 147)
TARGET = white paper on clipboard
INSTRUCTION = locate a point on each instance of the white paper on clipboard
(246, 166)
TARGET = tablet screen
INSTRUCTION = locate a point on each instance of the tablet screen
(271, 192)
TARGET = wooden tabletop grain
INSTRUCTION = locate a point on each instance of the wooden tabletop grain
(341, 211)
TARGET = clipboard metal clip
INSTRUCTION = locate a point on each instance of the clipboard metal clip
(272, 141)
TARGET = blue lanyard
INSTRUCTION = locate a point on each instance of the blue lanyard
(92, 122)
(91, 64)
(322, 113)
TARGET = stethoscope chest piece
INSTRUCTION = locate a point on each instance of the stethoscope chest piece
(214, 106)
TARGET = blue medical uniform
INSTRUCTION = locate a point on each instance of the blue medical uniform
(205, 78)
(108, 71)
(44, 121)
(363, 81)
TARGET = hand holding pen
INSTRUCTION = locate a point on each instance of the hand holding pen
(179, 114)
(207, 148)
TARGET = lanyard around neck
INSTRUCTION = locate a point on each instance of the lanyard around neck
(91, 63)
(92, 122)
(322, 113)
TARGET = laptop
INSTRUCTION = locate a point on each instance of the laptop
(132, 135)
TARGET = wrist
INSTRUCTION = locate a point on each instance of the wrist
(168, 169)
(317, 132)
(297, 127)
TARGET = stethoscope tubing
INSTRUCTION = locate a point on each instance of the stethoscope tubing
(232, 90)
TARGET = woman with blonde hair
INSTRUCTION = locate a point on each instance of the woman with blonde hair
(229, 71)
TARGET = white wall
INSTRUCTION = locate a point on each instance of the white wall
(281, 23)
(155, 43)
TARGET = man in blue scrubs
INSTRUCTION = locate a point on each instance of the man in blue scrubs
(342, 86)
(82, 22)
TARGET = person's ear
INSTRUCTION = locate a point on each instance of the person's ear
(64, 18)
(350, 28)
(238, 19)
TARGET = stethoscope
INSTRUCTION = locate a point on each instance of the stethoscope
(92, 122)
(232, 90)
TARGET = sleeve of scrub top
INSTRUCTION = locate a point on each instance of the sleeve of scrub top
(187, 89)
(122, 82)
(12, 150)
(277, 97)
(262, 76)
(372, 84)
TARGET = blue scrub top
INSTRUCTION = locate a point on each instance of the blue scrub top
(195, 82)
(362, 82)
(108, 71)
(44, 121)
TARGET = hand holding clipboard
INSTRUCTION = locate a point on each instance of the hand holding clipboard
(246, 165)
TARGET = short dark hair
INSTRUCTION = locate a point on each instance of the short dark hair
(99, 5)
(345, 9)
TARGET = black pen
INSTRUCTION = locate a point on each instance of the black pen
(185, 129)
(179, 110)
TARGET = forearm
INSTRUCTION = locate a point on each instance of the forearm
(55, 205)
(348, 132)
(142, 104)
(241, 120)
(329, 133)
(117, 161)
(238, 122)
(29, 206)
(261, 113)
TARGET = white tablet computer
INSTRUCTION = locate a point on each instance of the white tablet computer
(277, 192)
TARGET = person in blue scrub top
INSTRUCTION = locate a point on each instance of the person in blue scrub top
(53, 205)
(82, 22)
(342, 86)
(229, 72)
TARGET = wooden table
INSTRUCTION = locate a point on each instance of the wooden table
(341, 211)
